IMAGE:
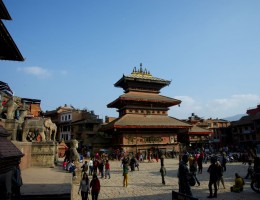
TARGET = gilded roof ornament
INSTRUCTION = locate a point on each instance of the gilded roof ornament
(140, 72)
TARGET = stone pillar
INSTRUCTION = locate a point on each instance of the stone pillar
(43, 154)
(11, 126)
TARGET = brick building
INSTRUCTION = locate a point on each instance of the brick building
(74, 123)
(246, 131)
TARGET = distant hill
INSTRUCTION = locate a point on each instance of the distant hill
(235, 117)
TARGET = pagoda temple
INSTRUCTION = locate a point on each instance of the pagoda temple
(143, 125)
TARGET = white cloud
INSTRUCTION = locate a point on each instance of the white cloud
(236, 104)
(35, 71)
(187, 106)
(215, 108)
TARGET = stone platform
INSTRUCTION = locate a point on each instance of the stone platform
(46, 183)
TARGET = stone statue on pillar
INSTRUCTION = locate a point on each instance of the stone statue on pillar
(74, 155)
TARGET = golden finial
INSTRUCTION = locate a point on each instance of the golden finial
(141, 69)
(141, 72)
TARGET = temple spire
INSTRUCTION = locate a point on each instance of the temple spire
(141, 71)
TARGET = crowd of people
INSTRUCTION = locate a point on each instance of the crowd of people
(190, 165)
(96, 166)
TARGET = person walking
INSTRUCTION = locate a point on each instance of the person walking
(90, 164)
(220, 179)
(250, 170)
(194, 169)
(101, 168)
(84, 168)
(163, 173)
(125, 174)
(107, 169)
(95, 187)
(95, 166)
(184, 175)
(224, 162)
(200, 161)
(132, 163)
(137, 164)
(141, 157)
(213, 171)
(84, 187)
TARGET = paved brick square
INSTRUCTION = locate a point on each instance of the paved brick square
(146, 183)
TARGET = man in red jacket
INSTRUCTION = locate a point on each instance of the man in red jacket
(95, 187)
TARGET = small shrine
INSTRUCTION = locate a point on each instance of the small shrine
(62, 148)
(143, 125)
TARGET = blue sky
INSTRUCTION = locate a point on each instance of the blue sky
(76, 50)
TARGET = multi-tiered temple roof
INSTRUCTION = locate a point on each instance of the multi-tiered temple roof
(141, 106)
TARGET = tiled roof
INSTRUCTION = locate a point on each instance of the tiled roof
(146, 121)
(4, 14)
(198, 130)
(9, 153)
(145, 77)
(87, 121)
(141, 75)
(257, 116)
(4, 132)
(145, 97)
(8, 149)
(8, 48)
(244, 120)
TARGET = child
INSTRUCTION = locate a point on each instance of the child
(107, 169)
(85, 167)
(163, 173)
